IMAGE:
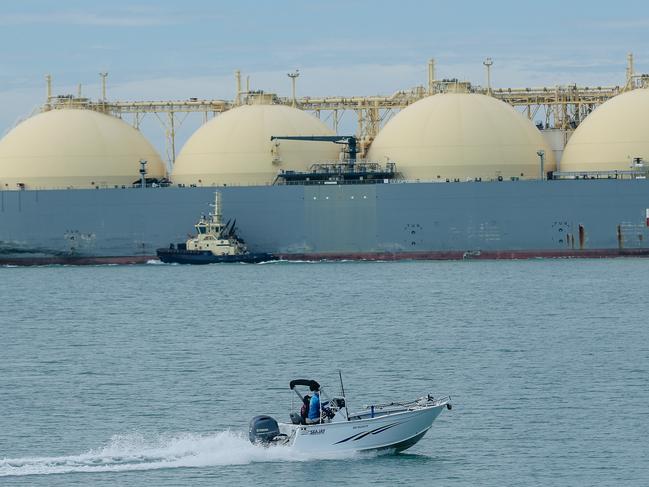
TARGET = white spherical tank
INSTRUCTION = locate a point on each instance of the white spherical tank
(235, 147)
(462, 136)
(73, 148)
(611, 136)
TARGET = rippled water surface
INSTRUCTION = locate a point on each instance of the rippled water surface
(148, 375)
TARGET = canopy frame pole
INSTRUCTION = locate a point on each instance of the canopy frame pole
(298, 394)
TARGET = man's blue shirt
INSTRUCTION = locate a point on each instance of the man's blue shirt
(314, 407)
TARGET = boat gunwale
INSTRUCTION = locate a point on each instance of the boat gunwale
(421, 409)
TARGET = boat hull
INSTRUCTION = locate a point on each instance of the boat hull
(201, 257)
(394, 432)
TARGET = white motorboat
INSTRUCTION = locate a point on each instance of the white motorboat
(395, 426)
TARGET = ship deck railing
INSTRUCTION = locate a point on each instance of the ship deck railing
(321, 182)
(640, 173)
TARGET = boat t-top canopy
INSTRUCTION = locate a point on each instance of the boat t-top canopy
(311, 384)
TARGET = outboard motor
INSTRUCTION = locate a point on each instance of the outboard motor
(263, 430)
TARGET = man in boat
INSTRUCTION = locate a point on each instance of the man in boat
(304, 410)
(314, 409)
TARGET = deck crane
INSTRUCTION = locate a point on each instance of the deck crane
(348, 140)
(347, 171)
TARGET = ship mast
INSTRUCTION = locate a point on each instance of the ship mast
(215, 222)
(216, 214)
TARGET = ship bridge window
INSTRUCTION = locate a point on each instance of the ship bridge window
(201, 230)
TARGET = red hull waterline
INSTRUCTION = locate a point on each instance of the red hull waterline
(470, 255)
(359, 256)
(77, 260)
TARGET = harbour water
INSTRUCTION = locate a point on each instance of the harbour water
(148, 375)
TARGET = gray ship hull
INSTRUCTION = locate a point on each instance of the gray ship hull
(512, 219)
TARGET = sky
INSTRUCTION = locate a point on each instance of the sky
(159, 50)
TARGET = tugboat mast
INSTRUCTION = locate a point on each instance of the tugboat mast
(216, 214)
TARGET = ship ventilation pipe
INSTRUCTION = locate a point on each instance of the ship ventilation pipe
(541, 154)
(488, 63)
(294, 75)
(630, 71)
(431, 76)
(103, 85)
(237, 75)
(48, 81)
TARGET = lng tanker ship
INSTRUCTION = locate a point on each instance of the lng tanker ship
(508, 219)
(457, 176)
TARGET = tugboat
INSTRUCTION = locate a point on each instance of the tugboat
(214, 243)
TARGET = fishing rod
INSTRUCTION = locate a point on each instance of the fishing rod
(342, 389)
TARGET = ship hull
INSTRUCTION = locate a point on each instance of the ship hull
(340, 257)
(201, 257)
(487, 220)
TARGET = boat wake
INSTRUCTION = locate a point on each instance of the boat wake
(135, 452)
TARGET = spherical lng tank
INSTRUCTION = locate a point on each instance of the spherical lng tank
(612, 136)
(73, 148)
(462, 136)
(235, 147)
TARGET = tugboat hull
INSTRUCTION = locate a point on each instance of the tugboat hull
(181, 256)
